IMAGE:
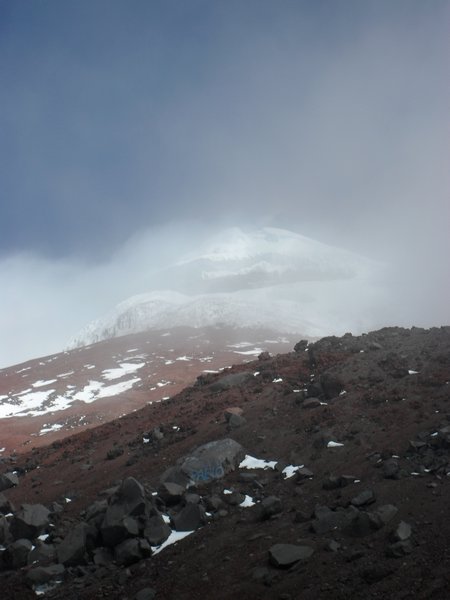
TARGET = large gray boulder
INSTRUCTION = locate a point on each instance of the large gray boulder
(30, 521)
(229, 381)
(213, 460)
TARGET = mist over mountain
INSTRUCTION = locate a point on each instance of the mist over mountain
(266, 277)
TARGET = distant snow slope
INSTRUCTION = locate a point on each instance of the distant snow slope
(269, 278)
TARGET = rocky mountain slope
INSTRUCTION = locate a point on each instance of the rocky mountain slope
(55, 396)
(321, 473)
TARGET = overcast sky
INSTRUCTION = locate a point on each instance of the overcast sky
(159, 120)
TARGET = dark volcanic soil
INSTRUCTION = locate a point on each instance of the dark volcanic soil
(384, 396)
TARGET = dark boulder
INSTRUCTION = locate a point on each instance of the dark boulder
(40, 575)
(30, 521)
(74, 547)
(8, 480)
(286, 555)
(332, 385)
(190, 518)
(17, 553)
(156, 530)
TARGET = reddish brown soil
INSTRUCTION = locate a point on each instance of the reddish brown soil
(205, 349)
(382, 410)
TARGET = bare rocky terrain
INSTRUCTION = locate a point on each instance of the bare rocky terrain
(351, 500)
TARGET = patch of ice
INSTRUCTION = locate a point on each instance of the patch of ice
(277, 380)
(2, 450)
(209, 371)
(161, 384)
(55, 427)
(290, 470)
(146, 440)
(42, 382)
(132, 350)
(342, 393)
(256, 373)
(166, 518)
(247, 502)
(332, 444)
(411, 372)
(66, 374)
(250, 462)
(227, 492)
(28, 402)
(173, 538)
(185, 358)
(43, 537)
(89, 366)
(122, 370)
(68, 500)
(254, 352)
(169, 362)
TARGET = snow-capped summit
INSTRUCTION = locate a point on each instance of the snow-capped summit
(269, 278)
(236, 259)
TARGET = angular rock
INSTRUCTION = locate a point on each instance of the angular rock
(30, 521)
(156, 530)
(285, 555)
(391, 469)
(301, 346)
(386, 512)
(236, 421)
(171, 493)
(42, 554)
(229, 381)
(402, 532)
(303, 473)
(360, 525)
(40, 575)
(327, 520)
(190, 518)
(269, 507)
(332, 385)
(364, 498)
(17, 553)
(232, 410)
(5, 505)
(8, 480)
(128, 502)
(128, 552)
(73, 549)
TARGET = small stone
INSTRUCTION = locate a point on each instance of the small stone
(364, 498)
(402, 532)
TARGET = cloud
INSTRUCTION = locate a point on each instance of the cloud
(330, 119)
